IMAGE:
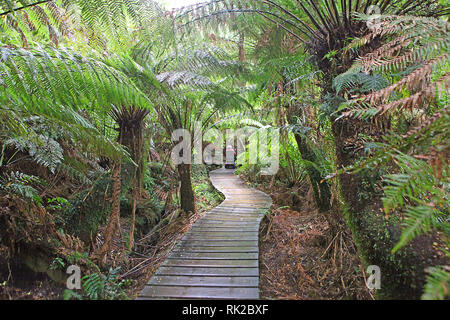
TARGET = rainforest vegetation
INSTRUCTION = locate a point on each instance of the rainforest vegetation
(92, 90)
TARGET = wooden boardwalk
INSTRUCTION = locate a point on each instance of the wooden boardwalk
(218, 256)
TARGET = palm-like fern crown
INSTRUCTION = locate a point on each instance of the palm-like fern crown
(321, 26)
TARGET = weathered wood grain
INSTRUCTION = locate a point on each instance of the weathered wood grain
(203, 292)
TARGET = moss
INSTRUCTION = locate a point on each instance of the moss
(402, 273)
(148, 214)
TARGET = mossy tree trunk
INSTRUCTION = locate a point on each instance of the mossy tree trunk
(320, 187)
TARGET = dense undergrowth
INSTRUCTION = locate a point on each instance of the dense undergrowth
(37, 270)
(298, 261)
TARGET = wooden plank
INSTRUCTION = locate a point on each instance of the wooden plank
(213, 255)
(212, 263)
(234, 214)
(218, 227)
(252, 221)
(237, 210)
(239, 224)
(221, 235)
(211, 281)
(212, 233)
(252, 216)
(215, 249)
(207, 272)
(216, 220)
(200, 292)
(230, 237)
(217, 243)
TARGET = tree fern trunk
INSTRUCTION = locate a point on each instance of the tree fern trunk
(135, 194)
(321, 189)
(186, 192)
(113, 223)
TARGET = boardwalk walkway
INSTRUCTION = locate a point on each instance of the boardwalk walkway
(218, 257)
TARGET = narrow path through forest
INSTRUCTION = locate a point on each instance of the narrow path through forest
(218, 257)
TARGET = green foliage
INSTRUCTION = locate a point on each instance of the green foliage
(43, 149)
(89, 208)
(207, 196)
(98, 286)
(57, 263)
(78, 258)
(420, 193)
(21, 184)
(415, 60)
(51, 21)
(438, 283)
(107, 287)
(65, 65)
(359, 82)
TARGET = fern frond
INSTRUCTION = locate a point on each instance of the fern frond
(419, 220)
(360, 81)
(418, 78)
(438, 283)
(58, 84)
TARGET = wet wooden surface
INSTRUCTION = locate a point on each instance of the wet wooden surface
(218, 256)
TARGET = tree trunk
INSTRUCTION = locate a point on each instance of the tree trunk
(130, 121)
(113, 223)
(321, 189)
(135, 194)
(403, 273)
(186, 192)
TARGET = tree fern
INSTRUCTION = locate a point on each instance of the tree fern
(104, 286)
(360, 82)
(46, 151)
(58, 84)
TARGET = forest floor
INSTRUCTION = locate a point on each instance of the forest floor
(297, 258)
(28, 286)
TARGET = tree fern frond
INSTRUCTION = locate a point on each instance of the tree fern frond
(419, 220)
(360, 81)
(418, 78)
(438, 283)
(58, 84)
